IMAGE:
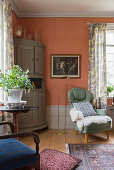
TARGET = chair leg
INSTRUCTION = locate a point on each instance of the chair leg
(76, 132)
(38, 163)
(107, 132)
(86, 138)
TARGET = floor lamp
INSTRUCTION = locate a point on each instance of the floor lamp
(59, 108)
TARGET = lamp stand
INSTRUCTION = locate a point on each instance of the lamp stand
(64, 130)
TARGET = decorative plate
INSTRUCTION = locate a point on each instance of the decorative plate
(20, 104)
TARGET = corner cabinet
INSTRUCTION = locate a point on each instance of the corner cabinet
(29, 54)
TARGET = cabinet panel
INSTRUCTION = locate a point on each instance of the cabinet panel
(38, 60)
(25, 58)
(27, 120)
(41, 102)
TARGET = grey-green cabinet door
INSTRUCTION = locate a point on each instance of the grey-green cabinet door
(41, 103)
(39, 60)
(25, 57)
(27, 120)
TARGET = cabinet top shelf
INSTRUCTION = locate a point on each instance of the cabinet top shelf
(19, 40)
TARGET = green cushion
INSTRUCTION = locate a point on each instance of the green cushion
(79, 93)
(73, 100)
(94, 127)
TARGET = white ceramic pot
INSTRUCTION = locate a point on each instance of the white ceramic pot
(15, 95)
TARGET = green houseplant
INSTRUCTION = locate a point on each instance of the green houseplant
(110, 88)
(14, 81)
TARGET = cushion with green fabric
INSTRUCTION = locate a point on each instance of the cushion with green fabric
(15, 154)
(79, 93)
(72, 99)
(94, 128)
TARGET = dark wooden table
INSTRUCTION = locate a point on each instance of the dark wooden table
(15, 112)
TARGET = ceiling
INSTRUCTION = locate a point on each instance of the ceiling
(63, 8)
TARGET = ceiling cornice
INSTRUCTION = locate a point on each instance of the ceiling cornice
(19, 13)
(14, 8)
(73, 15)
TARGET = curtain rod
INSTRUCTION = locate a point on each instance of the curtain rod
(100, 23)
(96, 23)
(109, 26)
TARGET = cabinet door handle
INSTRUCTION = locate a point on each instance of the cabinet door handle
(37, 107)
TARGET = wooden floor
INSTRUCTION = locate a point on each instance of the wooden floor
(57, 139)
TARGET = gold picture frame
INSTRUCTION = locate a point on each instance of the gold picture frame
(63, 65)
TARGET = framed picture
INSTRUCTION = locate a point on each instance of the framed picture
(63, 66)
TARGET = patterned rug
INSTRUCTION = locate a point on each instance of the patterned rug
(94, 156)
(51, 159)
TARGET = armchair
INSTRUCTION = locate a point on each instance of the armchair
(76, 95)
(15, 154)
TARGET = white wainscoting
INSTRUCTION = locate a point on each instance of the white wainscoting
(64, 117)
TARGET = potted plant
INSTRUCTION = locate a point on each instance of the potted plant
(110, 88)
(14, 81)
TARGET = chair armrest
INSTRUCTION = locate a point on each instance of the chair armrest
(101, 112)
(23, 134)
(8, 123)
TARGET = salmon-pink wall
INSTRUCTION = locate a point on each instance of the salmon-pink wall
(62, 36)
(15, 23)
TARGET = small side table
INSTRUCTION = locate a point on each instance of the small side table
(15, 112)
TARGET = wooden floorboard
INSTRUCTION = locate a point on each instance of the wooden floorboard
(57, 139)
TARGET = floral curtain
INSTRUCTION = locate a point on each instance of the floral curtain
(97, 77)
(8, 36)
(8, 48)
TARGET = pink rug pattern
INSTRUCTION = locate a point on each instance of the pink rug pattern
(51, 159)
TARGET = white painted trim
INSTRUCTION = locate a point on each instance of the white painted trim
(51, 15)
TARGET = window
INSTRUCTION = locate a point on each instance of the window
(110, 58)
(1, 46)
